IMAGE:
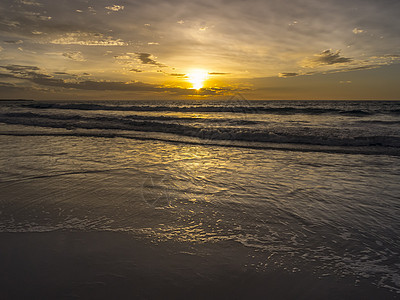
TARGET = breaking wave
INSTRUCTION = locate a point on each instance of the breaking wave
(226, 132)
(245, 107)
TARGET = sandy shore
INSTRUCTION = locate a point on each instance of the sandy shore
(105, 265)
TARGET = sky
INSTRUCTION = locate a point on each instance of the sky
(211, 49)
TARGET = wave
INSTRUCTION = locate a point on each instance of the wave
(379, 122)
(131, 117)
(149, 129)
(376, 150)
(234, 108)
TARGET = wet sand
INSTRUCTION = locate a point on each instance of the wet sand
(109, 265)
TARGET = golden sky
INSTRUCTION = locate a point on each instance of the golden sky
(175, 49)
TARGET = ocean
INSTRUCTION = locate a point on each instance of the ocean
(230, 198)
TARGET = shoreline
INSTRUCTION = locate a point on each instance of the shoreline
(106, 265)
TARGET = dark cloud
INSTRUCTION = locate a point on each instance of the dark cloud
(6, 88)
(13, 68)
(326, 57)
(136, 70)
(6, 85)
(364, 67)
(65, 74)
(14, 42)
(20, 69)
(146, 59)
(330, 58)
(34, 75)
(394, 56)
(218, 73)
(26, 73)
(123, 57)
(181, 75)
(285, 75)
(2, 75)
(74, 55)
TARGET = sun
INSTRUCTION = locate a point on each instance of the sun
(197, 77)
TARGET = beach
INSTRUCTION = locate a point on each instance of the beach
(262, 200)
(99, 265)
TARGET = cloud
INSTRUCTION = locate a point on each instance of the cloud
(218, 73)
(61, 73)
(388, 56)
(326, 57)
(35, 16)
(20, 69)
(6, 84)
(1, 48)
(285, 75)
(123, 57)
(9, 23)
(133, 58)
(87, 39)
(367, 67)
(32, 3)
(35, 75)
(180, 75)
(357, 30)
(367, 63)
(115, 7)
(249, 41)
(6, 87)
(77, 56)
(14, 42)
(146, 59)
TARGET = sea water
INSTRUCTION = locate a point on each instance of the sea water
(307, 186)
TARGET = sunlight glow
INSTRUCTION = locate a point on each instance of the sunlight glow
(197, 77)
